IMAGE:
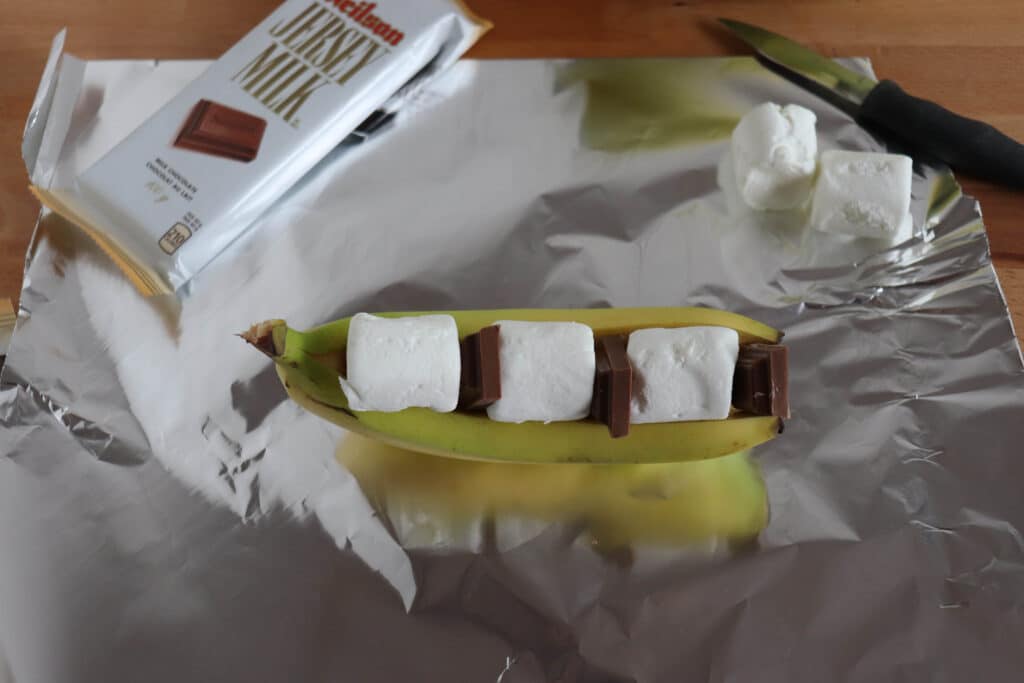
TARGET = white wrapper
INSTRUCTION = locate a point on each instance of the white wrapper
(187, 182)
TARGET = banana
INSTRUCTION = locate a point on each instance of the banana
(309, 364)
(617, 506)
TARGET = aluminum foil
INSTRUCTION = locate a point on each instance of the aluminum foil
(166, 515)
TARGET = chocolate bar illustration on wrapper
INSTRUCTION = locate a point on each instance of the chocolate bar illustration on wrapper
(218, 130)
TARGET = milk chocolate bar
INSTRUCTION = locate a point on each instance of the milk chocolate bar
(761, 382)
(613, 385)
(480, 384)
(198, 173)
(222, 131)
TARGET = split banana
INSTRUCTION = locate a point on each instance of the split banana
(310, 364)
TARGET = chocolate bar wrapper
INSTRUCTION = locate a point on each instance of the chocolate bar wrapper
(191, 179)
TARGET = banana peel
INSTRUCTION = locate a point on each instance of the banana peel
(309, 364)
(617, 506)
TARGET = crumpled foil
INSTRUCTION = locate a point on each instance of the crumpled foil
(166, 514)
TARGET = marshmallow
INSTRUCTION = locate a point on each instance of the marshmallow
(399, 363)
(682, 374)
(547, 372)
(774, 152)
(864, 194)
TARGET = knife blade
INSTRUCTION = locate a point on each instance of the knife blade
(922, 127)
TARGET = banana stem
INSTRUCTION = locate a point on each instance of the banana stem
(268, 337)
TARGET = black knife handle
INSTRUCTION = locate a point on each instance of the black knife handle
(967, 145)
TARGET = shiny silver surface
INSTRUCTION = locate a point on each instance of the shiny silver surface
(165, 514)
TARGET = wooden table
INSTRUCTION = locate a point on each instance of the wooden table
(964, 55)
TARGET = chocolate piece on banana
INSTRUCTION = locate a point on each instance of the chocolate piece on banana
(761, 382)
(480, 383)
(613, 385)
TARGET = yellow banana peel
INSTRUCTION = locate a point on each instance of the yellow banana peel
(309, 364)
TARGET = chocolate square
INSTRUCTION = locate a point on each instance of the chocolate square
(613, 385)
(480, 384)
(761, 383)
(219, 130)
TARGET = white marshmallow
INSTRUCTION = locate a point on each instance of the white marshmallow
(774, 152)
(682, 374)
(547, 372)
(399, 363)
(865, 194)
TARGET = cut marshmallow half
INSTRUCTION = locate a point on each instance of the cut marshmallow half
(547, 371)
(399, 363)
(774, 152)
(682, 374)
(864, 194)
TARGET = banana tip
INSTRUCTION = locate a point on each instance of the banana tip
(261, 336)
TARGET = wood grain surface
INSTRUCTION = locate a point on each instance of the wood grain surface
(962, 54)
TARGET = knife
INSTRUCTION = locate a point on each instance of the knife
(923, 127)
